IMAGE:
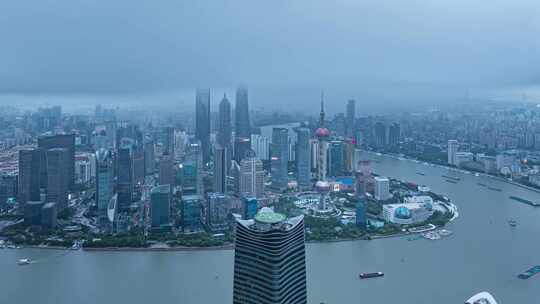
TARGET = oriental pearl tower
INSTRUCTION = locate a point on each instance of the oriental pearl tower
(322, 186)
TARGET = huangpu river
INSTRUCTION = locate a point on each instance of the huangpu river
(484, 253)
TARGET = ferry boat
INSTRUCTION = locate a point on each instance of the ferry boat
(445, 232)
(512, 223)
(368, 275)
(432, 235)
(529, 272)
(524, 201)
(24, 262)
(483, 297)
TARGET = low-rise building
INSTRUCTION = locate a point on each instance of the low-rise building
(413, 210)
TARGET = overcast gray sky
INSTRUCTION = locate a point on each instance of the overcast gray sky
(121, 46)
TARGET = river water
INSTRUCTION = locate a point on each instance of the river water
(484, 253)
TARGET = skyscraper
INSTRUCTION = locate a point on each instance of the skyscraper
(66, 141)
(29, 166)
(104, 179)
(280, 156)
(251, 177)
(191, 213)
(380, 134)
(224, 134)
(261, 146)
(202, 121)
(166, 171)
(452, 150)
(269, 260)
(337, 158)
(220, 169)
(242, 124)
(125, 181)
(394, 134)
(58, 176)
(160, 205)
(303, 170)
(149, 157)
(350, 119)
(361, 181)
(218, 211)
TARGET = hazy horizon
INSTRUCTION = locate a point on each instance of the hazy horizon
(416, 53)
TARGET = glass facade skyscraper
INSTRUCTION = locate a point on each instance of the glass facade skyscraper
(29, 165)
(104, 179)
(160, 205)
(242, 123)
(202, 121)
(279, 159)
(303, 154)
(269, 260)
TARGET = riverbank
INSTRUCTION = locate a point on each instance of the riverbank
(461, 170)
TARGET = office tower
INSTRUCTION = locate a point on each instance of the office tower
(336, 165)
(251, 177)
(303, 158)
(3, 196)
(361, 217)
(160, 206)
(166, 171)
(235, 174)
(242, 123)
(452, 150)
(250, 206)
(66, 141)
(125, 183)
(168, 141)
(218, 212)
(380, 136)
(349, 156)
(138, 165)
(193, 172)
(220, 169)
(180, 141)
(241, 147)
(382, 188)
(104, 179)
(149, 157)
(394, 134)
(339, 124)
(58, 176)
(29, 166)
(280, 243)
(191, 213)
(32, 213)
(202, 121)
(224, 132)
(49, 216)
(279, 159)
(261, 145)
(350, 120)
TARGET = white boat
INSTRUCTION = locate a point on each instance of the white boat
(431, 235)
(444, 232)
(24, 262)
(481, 298)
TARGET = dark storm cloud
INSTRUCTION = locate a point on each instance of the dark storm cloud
(131, 46)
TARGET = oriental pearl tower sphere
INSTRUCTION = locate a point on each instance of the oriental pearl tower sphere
(322, 186)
